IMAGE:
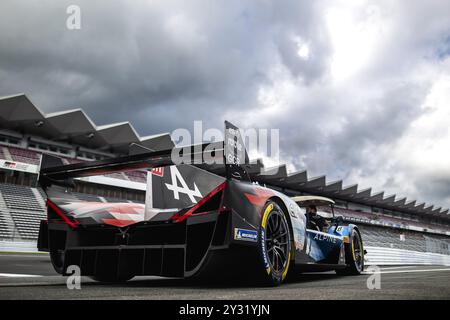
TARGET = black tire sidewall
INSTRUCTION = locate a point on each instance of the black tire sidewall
(353, 268)
(268, 274)
(57, 260)
(355, 233)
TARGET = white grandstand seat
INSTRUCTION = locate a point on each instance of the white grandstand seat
(4, 230)
(388, 237)
(25, 210)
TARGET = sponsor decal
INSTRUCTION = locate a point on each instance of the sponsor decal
(18, 166)
(158, 171)
(324, 237)
(246, 235)
(234, 149)
(10, 165)
(263, 247)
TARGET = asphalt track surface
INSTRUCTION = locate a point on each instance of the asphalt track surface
(32, 277)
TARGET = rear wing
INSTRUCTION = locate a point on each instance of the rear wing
(231, 151)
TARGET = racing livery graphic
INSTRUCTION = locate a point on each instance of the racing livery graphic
(197, 221)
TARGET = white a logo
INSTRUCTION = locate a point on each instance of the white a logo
(73, 21)
(374, 280)
(176, 176)
(74, 280)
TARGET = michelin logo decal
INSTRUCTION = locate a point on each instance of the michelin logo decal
(246, 235)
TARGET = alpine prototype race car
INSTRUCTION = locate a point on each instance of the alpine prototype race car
(194, 223)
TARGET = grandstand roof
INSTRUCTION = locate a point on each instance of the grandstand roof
(18, 113)
(299, 182)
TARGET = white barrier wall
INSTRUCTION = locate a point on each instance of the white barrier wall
(388, 256)
(375, 255)
(17, 246)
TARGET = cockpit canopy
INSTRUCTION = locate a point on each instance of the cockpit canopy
(305, 201)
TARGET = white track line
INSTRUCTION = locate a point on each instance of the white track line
(15, 275)
(407, 271)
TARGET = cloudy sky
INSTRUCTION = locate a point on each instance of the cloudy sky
(360, 90)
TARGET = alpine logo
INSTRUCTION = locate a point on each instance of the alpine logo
(177, 177)
(246, 235)
(324, 237)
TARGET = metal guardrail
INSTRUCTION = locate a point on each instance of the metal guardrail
(388, 256)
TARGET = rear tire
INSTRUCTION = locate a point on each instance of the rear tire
(274, 245)
(354, 255)
(57, 259)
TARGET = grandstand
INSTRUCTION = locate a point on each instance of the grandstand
(26, 132)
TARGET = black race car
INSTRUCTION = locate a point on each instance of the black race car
(194, 223)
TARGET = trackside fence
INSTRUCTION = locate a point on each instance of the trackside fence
(389, 256)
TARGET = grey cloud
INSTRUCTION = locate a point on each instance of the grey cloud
(136, 57)
(162, 65)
